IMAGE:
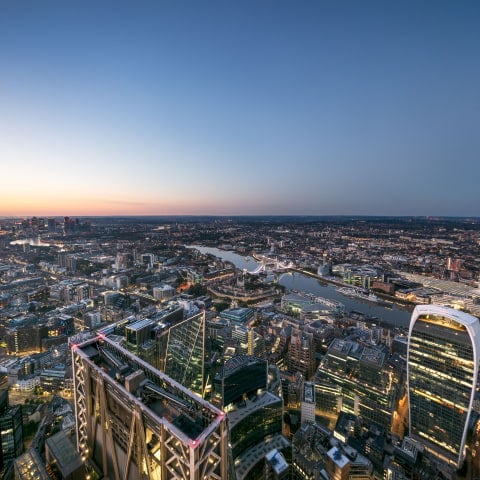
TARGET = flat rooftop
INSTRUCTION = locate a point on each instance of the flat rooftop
(64, 453)
(140, 324)
(340, 346)
(338, 457)
(136, 381)
(308, 391)
(373, 356)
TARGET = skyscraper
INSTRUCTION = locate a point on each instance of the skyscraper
(308, 402)
(254, 414)
(242, 375)
(185, 353)
(442, 370)
(11, 434)
(301, 353)
(135, 422)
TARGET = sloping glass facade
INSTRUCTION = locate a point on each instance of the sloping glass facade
(185, 356)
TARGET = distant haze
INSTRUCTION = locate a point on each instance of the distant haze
(233, 108)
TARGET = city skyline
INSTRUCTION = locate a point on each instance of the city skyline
(240, 109)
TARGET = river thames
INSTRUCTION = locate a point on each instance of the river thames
(393, 316)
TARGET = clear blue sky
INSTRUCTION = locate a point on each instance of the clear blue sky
(247, 107)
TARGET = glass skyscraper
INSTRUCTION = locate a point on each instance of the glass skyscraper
(442, 363)
(185, 353)
(134, 422)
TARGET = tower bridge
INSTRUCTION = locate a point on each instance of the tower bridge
(270, 264)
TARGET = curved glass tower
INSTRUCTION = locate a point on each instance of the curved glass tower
(442, 369)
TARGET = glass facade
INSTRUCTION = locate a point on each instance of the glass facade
(441, 381)
(256, 426)
(11, 433)
(185, 357)
(241, 375)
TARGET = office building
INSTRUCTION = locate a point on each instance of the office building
(252, 422)
(276, 467)
(51, 225)
(337, 464)
(241, 376)
(53, 380)
(163, 292)
(343, 462)
(134, 421)
(238, 315)
(308, 403)
(301, 353)
(24, 335)
(62, 458)
(11, 433)
(139, 339)
(185, 353)
(169, 342)
(30, 466)
(246, 341)
(442, 371)
(138, 333)
(254, 414)
(356, 379)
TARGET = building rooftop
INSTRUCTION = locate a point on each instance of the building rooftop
(239, 361)
(308, 392)
(277, 461)
(266, 398)
(248, 459)
(30, 466)
(65, 454)
(185, 413)
(140, 324)
(338, 457)
(373, 356)
(340, 346)
(463, 318)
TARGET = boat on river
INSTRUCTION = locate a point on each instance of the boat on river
(360, 294)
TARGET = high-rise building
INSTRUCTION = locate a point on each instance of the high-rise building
(252, 423)
(169, 342)
(135, 422)
(241, 376)
(442, 370)
(276, 468)
(67, 261)
(51, 225)
(185, 353)
(301, 353)
(254, 414)
(247, 341)
(356, 379)
(308, 403)
(11, 435)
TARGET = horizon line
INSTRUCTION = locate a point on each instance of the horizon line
(236, 215)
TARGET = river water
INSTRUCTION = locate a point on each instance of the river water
(34, 242)
(394, 316)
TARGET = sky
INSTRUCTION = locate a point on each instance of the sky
(239, 108)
